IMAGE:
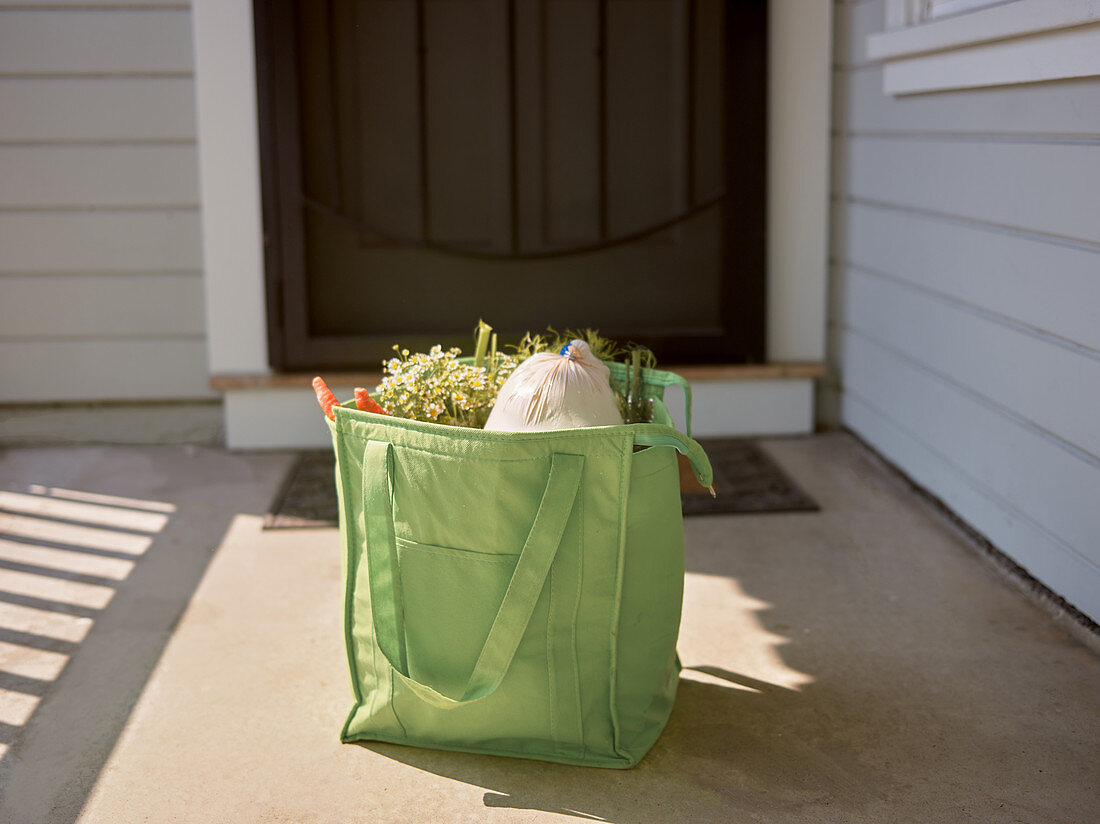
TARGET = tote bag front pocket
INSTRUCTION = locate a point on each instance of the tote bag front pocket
(450, 598)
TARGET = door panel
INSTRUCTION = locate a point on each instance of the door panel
(562, 162)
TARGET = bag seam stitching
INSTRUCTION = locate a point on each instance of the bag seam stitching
(550, 660)
(624, 470)
(573, 640)
(504, 559)
(348, 616)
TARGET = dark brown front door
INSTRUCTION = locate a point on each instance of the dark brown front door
(572, 163)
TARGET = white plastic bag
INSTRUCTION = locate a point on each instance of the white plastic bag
(556, 390)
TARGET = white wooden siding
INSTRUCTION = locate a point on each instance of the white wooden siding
(101, 293)
(965, 300)
(96, 4)
(109, 40)
(1060, 107)
(1051, 286)
(97, 176)
(1000, 363)
(104, 109)
(102, 306)
(1058, 489)
(1025, 185)
(84, 241)
(67, 371)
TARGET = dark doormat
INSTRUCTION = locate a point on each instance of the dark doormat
(747, 481)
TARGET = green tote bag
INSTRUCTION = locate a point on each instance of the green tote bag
(511, 593)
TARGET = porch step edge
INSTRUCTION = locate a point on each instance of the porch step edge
(778, 370)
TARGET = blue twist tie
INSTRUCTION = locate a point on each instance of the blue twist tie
(564, 351)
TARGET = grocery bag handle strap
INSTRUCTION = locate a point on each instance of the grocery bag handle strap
(661, 378)
(652, 434)
(667, 379)
(520, 598)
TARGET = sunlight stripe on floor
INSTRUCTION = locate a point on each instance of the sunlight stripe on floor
(83, 512)
(16, 708)
(43, 622)
(75, 535)
(31, 663)
(55, 589)
(95, 498)
(65, 560)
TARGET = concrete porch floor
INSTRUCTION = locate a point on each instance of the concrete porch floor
(860, 664)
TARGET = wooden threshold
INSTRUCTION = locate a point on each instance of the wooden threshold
(782, 370)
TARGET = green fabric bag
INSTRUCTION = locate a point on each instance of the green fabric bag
(510, 593)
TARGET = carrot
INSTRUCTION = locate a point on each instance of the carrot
(325, 398)
(366, 403)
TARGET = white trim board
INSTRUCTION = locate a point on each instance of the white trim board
(1053, 56)
(229, 177)
(1016, 19)
(799, 111)
(1026, 41)
(290, 418)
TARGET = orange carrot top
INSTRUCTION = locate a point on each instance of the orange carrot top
(365, 403)
(325, 398)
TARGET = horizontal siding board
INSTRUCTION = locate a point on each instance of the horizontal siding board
(1060, 107)
(93, 5)
(1067, 52)
(853, 22)
(1052, 287)
(90, 176)
(97, 108)
(101, 306)
(1030, 472)
(1044, 557)
(95, 42)
(66, 371)
(138, 241)
(1041, 187)
(1056, 388)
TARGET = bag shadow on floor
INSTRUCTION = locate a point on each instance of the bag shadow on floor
(719, 756)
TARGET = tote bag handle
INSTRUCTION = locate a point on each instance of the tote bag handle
(520, 598)
(667, 379)
(652, 434)
(663, 379)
